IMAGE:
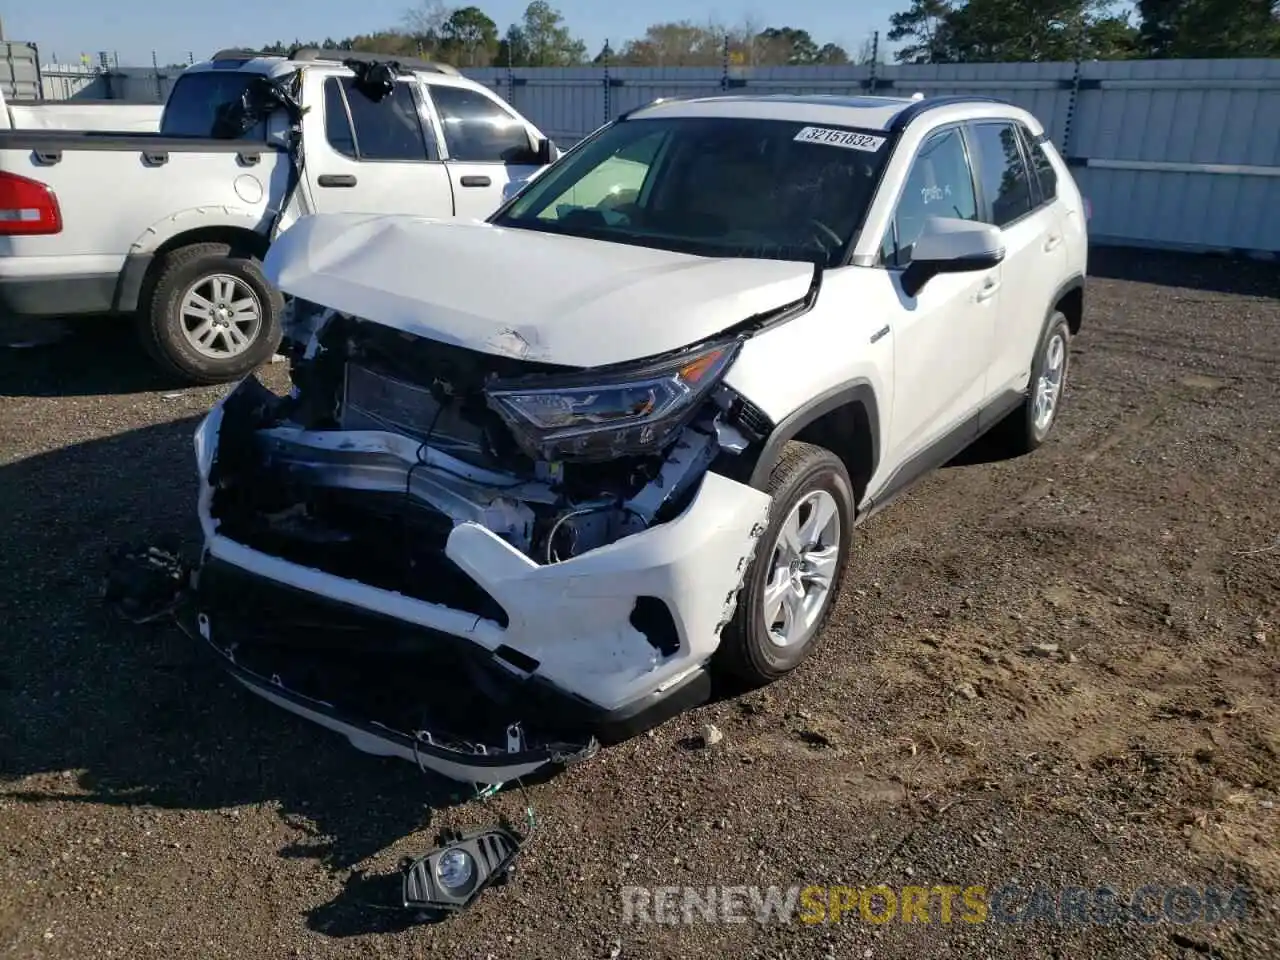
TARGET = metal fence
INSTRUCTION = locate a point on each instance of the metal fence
(1177, 153)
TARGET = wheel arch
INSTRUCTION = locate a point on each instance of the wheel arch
(844, 420)
(143, 264)
(1069, 301)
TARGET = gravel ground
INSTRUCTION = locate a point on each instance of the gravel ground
(1060, 670)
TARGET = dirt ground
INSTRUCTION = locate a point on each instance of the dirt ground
(1056, 671)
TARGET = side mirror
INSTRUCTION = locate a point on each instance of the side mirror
(949, 245)
(546, 152)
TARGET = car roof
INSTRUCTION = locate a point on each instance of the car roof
(274, 65)
(865, 112)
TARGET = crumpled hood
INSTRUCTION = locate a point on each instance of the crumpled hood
(522, 293)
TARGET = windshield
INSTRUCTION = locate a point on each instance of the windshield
(193, 105)
(712, 186)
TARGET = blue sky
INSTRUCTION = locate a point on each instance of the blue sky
(134, 28)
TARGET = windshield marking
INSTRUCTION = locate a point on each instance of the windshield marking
(840, 138)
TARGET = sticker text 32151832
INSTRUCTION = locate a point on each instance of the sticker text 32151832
(840, 138)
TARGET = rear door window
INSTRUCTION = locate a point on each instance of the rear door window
(192, 107)
(1045, 176)
(1006, 182)
(359, 128)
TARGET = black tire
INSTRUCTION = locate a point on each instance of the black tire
(160, 322)
(746, 654)
(1017, 433)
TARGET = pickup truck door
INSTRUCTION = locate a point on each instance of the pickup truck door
(367, 157)
(486, 146)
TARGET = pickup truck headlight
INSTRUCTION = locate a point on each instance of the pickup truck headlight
(610, 412)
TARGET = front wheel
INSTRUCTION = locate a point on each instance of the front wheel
(212, 316)
(793, 581)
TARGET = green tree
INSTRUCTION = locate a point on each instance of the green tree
(995, 31)
(924, 26)
(832, 54)
(470, 37)
(545, 40)
(779, 46)
(681, 44)
(1209, 28)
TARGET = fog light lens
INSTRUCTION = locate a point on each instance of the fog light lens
(454, 870)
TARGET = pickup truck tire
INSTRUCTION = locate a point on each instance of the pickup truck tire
(767, 637)
(213, 293)
(1030, 423)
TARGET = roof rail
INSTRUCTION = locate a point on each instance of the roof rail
(308, 54)
(234, 53)
(925, 104)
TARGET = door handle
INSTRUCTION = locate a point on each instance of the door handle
(988, 290)
(1054, 241)
(336, 180)
(475, 181)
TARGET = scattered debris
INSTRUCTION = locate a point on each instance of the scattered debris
(711, 735)
(1044, 649)
(966, 690)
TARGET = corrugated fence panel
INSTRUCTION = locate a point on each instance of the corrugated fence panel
(1171, 153)
(1182, 152)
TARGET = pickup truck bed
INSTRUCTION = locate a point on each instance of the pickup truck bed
(80, 115)
(173, 185)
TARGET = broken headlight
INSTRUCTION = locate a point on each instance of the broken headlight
(609, 412)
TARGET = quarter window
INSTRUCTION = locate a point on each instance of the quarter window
(479, 130)
(1046, 177)
(940, 184)
(390, 129)
(1006, 184)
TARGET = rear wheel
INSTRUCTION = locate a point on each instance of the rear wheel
(1027, 427)
(793, 581)
(212, 317)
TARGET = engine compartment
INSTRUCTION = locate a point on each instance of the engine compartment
(387, 441)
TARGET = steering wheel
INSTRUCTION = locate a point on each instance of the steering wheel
(826, 231)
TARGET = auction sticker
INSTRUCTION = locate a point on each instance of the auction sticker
(840, 138)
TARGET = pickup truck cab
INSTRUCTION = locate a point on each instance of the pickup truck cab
(172, 225)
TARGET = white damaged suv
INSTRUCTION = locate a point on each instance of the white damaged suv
(538, 476)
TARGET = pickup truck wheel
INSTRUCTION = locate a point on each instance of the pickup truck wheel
(1028, 426)
(793, 581)
(212, 316)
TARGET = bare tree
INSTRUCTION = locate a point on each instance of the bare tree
(425, 24)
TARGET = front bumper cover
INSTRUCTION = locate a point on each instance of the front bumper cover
(569, 639)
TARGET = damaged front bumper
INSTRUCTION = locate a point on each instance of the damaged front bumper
(591, 648)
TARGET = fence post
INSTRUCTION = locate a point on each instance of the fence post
(608, 85)
(104, 66)
(875, 60)
(1074, 99)
(155, 69)
(724, 66)
(511, 77)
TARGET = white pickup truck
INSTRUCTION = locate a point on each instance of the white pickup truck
(172, 225)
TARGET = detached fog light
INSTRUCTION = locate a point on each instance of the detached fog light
(454, 870)
(449, 878)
